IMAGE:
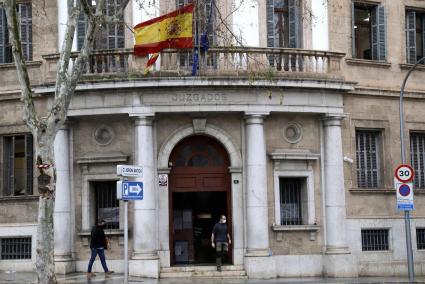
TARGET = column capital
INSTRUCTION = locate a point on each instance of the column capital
(333, 119)
(255, 117)
(145, 119)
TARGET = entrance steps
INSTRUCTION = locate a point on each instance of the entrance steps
(227, 271)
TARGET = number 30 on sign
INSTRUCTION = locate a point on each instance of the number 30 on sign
(404, 173)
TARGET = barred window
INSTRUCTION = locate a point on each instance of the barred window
(291, 193)
(15, 248)
(107, 205)
(375, 239)
(420, 238)
(417, 157)
(17, 165)
(367, 154)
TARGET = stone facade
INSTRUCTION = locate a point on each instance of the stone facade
(273, 125)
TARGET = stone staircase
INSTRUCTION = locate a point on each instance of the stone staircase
(228, 271)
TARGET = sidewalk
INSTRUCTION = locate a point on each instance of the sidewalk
(21, 278)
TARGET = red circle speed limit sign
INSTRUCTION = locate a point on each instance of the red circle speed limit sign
(404, 173)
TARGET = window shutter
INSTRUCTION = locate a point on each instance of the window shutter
(378, 33)
(25, 21)
(3, 38)
(367, 159)
(411, 37)
(294, 30)
(417, 158)
(81, 29)
(423, 35)
(8, 165)
(353, 31)
(271, 35)
(29, 160)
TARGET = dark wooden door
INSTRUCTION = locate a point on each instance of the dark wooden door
(200, 168)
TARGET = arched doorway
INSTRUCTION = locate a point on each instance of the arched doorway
(199, 192)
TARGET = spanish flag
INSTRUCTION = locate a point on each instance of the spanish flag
(173, 30)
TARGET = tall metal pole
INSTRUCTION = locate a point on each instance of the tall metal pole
(410, 263)
(125, 241)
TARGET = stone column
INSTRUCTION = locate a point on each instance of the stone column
(258, 264)
(145, 260)
(62, 214)
(338, 260)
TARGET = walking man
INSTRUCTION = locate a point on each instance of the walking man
(98, 244)
(220, 240)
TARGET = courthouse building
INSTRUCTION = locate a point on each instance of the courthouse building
(290, 128)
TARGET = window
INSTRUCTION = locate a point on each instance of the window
(368, 160)
(369, 31)
(206, 25)
(375, 239)
(417, 158)
(283, 23)
(107, 205)
(15, 248)
(24, 11)
(415, 36)
(110, 36)
(292, 200)
(17, 165)
(420, 238)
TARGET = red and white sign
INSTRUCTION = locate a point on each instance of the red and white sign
(404, 173)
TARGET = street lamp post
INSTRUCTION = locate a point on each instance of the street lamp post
(403, 161)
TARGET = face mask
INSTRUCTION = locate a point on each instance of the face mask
(223, 221)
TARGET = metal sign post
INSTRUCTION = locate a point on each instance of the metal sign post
(125, 241)
(410, 265)
(128, 190)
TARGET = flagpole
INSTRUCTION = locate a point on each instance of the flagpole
(198, 39)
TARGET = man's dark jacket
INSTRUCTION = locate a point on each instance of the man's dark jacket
(97, 237)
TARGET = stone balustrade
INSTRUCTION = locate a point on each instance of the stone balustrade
(217, 61)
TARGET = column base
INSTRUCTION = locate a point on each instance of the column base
(339, 262)
(64, 265)
(144, 265)
(260, 267)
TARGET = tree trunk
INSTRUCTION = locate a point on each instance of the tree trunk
(46, 178)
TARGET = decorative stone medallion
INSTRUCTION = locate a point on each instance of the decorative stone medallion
(103, 135)
(292, 132)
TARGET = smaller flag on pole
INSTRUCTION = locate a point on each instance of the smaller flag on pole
(151, 62)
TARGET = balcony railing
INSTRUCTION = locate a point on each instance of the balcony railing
(216, 62)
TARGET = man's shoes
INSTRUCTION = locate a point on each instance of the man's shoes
(90, 275)
(218, 268)
(109, 272)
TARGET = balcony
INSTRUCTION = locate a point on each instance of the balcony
(262, 63)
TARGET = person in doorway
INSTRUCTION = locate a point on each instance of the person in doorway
(98, 244)
(220, 240)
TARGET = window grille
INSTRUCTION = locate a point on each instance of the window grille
(290, 201)
(375, 239)
(367, 159)
(417, 157)
(107, 205)
(15, 248)
(420, 238)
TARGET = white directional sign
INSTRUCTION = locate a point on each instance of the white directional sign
(129, 171)
(130, 190)
(404, 173)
